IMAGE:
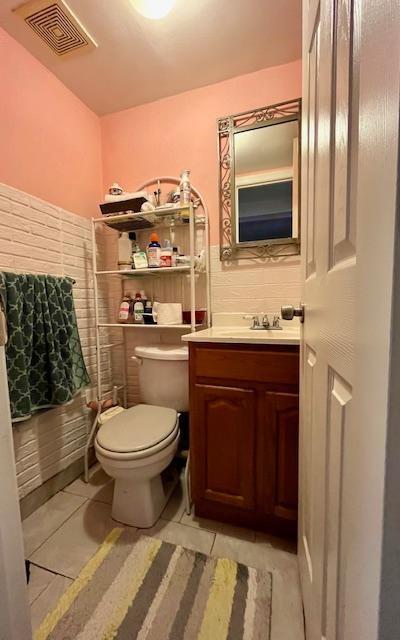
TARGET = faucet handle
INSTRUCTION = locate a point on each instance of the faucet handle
(255, 319)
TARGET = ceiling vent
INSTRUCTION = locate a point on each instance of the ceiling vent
(58, 27)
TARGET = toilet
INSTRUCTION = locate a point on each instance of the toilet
(137, 445)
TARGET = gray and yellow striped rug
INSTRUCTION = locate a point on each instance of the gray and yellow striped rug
(143, 588)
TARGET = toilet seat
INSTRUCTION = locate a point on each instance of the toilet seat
(138, 432)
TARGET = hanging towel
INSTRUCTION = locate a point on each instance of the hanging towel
(45, 364)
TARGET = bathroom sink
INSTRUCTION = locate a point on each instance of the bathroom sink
(240, 334)
(245, 331)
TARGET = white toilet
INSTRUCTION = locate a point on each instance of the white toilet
(136, 445)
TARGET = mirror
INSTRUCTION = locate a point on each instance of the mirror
(259, 178)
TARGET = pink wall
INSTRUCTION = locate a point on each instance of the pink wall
(50, 141)
(164, 137)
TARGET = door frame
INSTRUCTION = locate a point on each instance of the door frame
(14, 609)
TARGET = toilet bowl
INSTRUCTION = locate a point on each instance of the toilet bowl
(135, 446)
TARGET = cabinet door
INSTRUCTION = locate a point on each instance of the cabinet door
(223, 432)
(281, 436)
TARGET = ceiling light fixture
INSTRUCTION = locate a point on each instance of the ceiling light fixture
(153, 9)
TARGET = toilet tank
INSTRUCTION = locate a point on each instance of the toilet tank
(163, 375)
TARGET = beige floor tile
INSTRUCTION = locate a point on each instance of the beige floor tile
(217, 527)
(287, 622)
(100, 486)
(287, 612)
(175, 506)
(38, 581)
(68, 550)
(277, 543)
(43, 522)
(180, 534)
(254, 554)
(48, 599)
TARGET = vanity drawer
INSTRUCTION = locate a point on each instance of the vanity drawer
(266, 364)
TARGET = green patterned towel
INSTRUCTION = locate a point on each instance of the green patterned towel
(45, 364)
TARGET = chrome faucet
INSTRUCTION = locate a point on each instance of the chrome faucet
(264, 324)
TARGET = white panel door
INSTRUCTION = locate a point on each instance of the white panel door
(342, 446)
(329, 156)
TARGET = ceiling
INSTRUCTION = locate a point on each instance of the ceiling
(139, 60)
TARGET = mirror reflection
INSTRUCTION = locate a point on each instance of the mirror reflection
(266, 191)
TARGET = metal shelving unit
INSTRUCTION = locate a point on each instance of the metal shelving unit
(115, 325)
(138, 273)
(185, 216)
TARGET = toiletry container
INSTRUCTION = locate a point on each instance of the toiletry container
(166, 255)
(154, 251)
(148, 313)
(125, 309)
(138, 257)
(134, 243)
(143, 297)
(124, 248)
(138, 309)
(115, 189)
(184, 188)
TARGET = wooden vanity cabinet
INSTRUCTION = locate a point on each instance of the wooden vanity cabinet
(244, 415)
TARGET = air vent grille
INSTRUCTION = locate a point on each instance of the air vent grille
(55, 23)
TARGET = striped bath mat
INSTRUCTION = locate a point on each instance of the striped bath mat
(143, 588)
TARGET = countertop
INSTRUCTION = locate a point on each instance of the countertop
(244, 335)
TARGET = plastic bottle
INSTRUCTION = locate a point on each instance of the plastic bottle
(124, 248)
(134, 243)
(138, 257)
(174, 258)
(143, 298)
(184, 188)
(138, 309)
(153, 251)
(148, 312)
(124, 313)
(166, 255)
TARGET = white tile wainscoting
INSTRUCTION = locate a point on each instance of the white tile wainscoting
(37, 237)
(254, 285)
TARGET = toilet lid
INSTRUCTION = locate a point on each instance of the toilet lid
(163, 352)
(137, 428)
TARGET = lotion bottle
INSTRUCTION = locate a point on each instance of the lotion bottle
(154, 251)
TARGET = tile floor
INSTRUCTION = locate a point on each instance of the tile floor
(64, 533)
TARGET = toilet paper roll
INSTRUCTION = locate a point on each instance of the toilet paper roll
(169, 313)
